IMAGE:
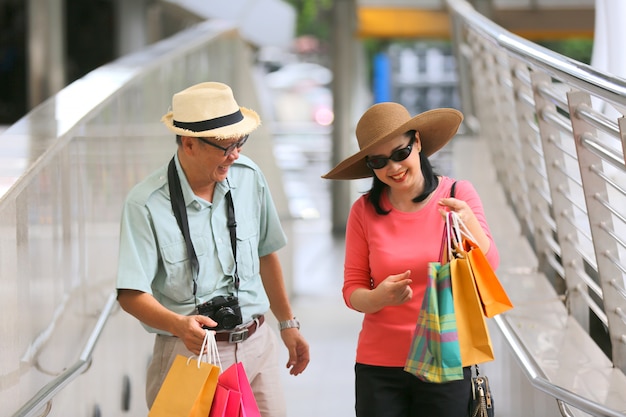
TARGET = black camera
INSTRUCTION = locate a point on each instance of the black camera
(224, 310)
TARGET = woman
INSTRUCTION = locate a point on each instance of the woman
(392, 233)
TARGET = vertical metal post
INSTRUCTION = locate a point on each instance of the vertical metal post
(593, 174)
(562, 207)
(46, 51)
(131, 17)
(524, 183)
(344, 58)
(463, 67)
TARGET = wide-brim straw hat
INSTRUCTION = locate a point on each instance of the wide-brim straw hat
(209, 109)
(385, 121)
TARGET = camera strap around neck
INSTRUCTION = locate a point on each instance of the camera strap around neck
(180, 212)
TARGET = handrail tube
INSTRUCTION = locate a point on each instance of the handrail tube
(614, 211)
(597, 310)
(48, 391)
(552, 96)
(591, 284)
(525, 99)
(596, 119)
(564, 409)
(618, 288)
(608, 180)
(539, 381)
(589, 141)
(614, 261)
(550, 115)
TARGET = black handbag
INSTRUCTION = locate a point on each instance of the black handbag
(482, 400)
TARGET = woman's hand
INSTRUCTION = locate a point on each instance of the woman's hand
(460, 207)
(467, 216)
(395, 289)
(392, 291)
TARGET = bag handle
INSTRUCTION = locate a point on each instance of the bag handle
(213, 355)
(448, 237)
(461, 228)
(208, 351)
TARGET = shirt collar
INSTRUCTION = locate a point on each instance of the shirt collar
(221, 188)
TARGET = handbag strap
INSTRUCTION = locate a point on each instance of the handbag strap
(445, 237)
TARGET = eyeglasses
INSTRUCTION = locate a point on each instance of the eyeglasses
(230, 148)
(378, 161)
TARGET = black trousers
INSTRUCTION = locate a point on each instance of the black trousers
(393, 392)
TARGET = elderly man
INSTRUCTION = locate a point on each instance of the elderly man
(198, 250)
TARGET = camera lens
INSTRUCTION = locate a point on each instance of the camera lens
(227, 318)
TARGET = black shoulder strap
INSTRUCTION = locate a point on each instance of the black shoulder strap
(442, 253)
(178, 207)
(232, 227)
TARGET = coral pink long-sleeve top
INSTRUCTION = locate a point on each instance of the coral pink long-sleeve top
(381, 245)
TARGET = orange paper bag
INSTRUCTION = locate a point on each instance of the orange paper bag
(187, 390)
(474, 340)
(493, 298)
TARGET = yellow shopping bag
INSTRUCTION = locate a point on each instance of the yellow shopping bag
(474, 339)
(188, 388)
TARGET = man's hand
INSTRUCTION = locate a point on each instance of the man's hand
(191, 332)
(298, 350)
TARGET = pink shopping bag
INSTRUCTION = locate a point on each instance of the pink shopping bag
(226, 403)
(233, 396)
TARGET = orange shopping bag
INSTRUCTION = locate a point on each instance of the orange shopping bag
(474, 339)
(493, 297)
(188, 388)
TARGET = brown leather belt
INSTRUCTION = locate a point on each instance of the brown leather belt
(239, 334)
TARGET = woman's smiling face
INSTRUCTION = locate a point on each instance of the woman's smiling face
(405, 174)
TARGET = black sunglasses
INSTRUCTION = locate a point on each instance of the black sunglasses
(230, 148)
(379, 161)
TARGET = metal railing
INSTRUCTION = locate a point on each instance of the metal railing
(538, 379)
(45, 395)
(74, 159)
(557, 135)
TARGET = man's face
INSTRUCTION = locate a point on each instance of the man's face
(213, 157)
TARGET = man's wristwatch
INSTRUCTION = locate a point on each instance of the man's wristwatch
(289, 324)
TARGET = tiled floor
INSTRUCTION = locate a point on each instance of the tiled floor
(326, 386)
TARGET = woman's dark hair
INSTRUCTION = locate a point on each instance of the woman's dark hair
(431, 181)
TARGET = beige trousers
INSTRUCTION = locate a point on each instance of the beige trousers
(259, 355)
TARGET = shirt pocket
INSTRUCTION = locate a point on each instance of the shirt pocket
(247, 248)
(178, 281)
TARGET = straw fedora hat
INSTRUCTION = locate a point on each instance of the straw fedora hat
(209, 110)
(385, 121)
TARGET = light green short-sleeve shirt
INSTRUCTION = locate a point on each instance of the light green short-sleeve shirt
(153, 256)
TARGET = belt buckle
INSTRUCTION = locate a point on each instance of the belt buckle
(238, 336)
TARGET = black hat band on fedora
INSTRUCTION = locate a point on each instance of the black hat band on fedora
(222, 121)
